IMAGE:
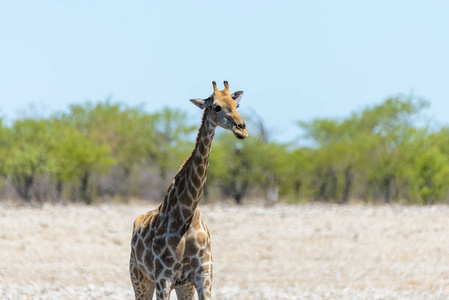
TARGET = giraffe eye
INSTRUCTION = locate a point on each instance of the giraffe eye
(217, 108)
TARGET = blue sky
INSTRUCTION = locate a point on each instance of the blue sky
(295, 60)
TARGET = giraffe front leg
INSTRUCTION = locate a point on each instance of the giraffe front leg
(143, 287)
(163, 289)
(203, 286)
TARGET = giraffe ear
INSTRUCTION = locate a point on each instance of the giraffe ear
(201, 103)
(237, 96)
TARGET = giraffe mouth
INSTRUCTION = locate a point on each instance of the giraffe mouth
(240, 135)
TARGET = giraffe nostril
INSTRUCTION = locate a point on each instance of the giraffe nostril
(241, 126)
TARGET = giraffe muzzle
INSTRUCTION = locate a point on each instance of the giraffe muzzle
(240, 131)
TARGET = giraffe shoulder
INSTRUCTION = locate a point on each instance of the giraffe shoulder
(144, 219)
(138, 221)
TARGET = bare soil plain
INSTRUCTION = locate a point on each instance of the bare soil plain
(312, 251)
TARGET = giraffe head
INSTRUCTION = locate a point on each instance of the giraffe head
(221, 110)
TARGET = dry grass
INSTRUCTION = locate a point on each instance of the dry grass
(288, 252)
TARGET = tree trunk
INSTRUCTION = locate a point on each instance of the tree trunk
(85, 194)
(388, 188)
(239, 193)
(59, 190)
(349, 177)
(297, 188)
(23, 184)
(328, 188)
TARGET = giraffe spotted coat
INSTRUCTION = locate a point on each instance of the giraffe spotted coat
(170, 246)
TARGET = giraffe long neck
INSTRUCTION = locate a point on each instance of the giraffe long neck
(184, 194)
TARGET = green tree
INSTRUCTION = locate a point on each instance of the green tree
(76, 158)
(428, 167)
(391, 127)
(369, 146)
(134, 138)
(28, 153)
(126, 133)
(111, 132)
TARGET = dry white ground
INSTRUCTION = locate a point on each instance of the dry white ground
(286, 252)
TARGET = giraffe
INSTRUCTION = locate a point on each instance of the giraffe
(170, 246)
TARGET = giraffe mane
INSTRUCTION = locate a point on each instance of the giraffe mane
(198, 137)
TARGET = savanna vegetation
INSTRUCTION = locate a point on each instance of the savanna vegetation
(384, 153)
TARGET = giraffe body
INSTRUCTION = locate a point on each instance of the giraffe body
(171, 244)
(171, 261)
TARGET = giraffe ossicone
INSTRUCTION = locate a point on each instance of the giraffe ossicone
(170, 246)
